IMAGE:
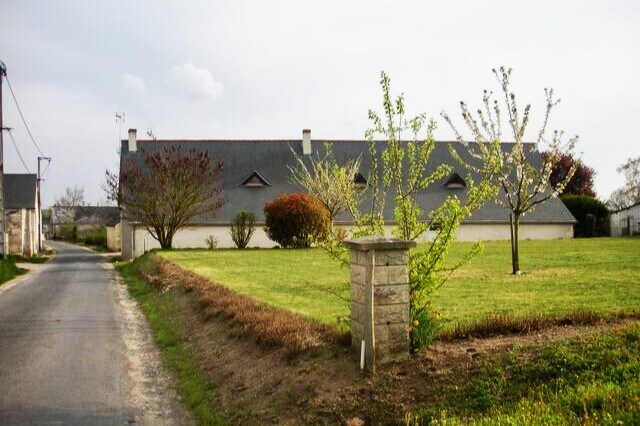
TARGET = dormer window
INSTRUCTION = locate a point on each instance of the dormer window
(255, 181)
(455, 181)
(359, 180)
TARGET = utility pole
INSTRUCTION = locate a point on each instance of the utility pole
(3, 238)
(40, 179)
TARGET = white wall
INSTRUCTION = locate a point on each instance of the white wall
(195, 236)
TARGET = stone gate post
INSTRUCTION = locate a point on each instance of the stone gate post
(379, 299)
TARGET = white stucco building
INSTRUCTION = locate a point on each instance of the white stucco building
(256, 172)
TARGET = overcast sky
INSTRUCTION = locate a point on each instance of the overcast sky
(268, 69)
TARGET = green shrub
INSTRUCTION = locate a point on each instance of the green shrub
(590, 213)
(97, 237)
(67, 232)
(243, 228)
(296, 220)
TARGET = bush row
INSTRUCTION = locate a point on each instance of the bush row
(591, 214)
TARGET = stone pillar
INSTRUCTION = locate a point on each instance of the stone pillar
(379, 299)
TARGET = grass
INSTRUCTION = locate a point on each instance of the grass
(9, 270)
(265, 324)
(305, 281)
(561, 277)
(587, 380)
(165, 322)
(32, 259)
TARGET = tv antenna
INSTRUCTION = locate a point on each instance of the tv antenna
(120, 119)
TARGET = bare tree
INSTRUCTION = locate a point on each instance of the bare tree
(525, 175)
(168, 188)
(629, 194)
(111, 187)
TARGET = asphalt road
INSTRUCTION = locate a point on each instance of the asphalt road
(63, 359)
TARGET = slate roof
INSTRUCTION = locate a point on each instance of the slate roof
(96, 215)
(270, 158)
(20, 191)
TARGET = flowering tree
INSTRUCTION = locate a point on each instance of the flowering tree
(524, 176)
(170, 188)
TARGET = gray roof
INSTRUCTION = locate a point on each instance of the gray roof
(96, 215)
(270, 158)
(20, 191)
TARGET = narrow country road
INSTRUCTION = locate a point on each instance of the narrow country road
(74, 350)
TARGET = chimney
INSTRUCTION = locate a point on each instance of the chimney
(306, 141)
(132, 140)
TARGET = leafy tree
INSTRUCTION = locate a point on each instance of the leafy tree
(398, 172)
(524, 180)
(581, 183)
(296, 220)
(243, 228)
(629, 194)
(168, 188)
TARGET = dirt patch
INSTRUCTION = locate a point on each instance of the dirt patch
(261, 382)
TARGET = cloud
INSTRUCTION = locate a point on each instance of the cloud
(197, 83)
(133, 83)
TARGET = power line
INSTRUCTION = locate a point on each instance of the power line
(22, 116)
(15, 145)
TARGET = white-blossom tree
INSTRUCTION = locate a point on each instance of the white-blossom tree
(524, 175)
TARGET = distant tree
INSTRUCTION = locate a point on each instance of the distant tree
(168, 188)
(581, 183)
(629, 194)
(66, 204)
(72, 197)
(110, 186)
(525, 183)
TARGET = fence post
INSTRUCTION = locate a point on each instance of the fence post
(379, 299)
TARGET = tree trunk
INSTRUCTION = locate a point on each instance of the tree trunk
(515, 254)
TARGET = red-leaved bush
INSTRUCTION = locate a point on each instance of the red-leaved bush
(296, 220)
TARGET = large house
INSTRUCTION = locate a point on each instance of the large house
(23, 217)
(256, 171)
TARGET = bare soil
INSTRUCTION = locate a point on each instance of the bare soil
(259, 384)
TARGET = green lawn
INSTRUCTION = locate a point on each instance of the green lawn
(560, 276)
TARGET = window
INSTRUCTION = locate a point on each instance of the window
(359, 180)
(255, 181)
(455, 181)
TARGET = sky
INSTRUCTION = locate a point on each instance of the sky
(268, 69)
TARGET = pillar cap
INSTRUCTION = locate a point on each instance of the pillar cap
(378, 242)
